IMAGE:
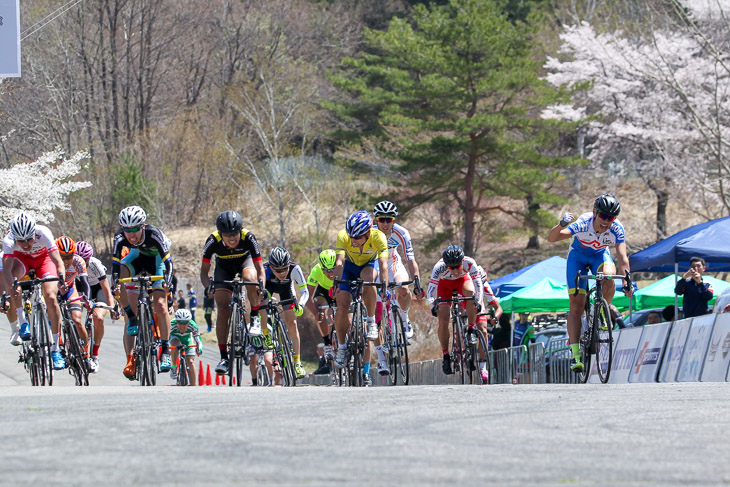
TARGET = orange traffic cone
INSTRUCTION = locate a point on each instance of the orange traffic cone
(208, 381)
(201, 375)
(223, 379)
(234, 380)
(217, 379)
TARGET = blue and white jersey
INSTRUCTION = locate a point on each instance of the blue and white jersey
(587, 241)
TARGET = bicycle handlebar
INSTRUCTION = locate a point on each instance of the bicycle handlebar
(392, 285)
(357, 282)
(140, 279)
(33, 282)
(601, 277)
(454, 299)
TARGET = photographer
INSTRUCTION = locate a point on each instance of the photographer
(697, 293)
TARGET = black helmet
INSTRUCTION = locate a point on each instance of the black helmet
(607, 204)
(453, 255)
(229, 222)
(279, 257)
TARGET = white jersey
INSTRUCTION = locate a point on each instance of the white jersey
(488, 293)
(95, 271)
(587, 241)
(43, 245)
(441, 271)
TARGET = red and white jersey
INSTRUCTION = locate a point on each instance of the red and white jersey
(43, 245)
(441, 271)
(488, 293)
(74, 271)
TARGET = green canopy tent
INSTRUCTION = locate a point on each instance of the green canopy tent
(546, 295)
(661, 293)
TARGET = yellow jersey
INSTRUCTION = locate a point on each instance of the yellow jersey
(376, 246)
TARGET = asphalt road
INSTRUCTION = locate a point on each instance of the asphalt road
(638, 434)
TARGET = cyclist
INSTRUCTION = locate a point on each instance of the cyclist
(385, 214)
(319, 287)
(591, 236)
(100, 292)
(483, 320)
(26, 247)
(237, 252)
(453, 272)
(77, 285)
(359, 248)
(184, 332)
(12, 315)
(282, 275)
(148, 252)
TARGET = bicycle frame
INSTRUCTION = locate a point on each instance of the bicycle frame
(458, 321)
(394, 336)
(283, 350)
(36, 354)
(73, 349)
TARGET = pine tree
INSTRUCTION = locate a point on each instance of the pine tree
(453, 96)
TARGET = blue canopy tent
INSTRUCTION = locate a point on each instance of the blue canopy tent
(708, 240)
(553, 267)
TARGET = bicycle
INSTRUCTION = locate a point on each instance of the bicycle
(263, 378)
(237, 331)
(355, 339)
(283, 353)
(338, 376)
(145, 345)
(464, 358)
(36, 353)
(394, 338)
(597, 335)
(90, 306)
(183, 378)
(73, 349)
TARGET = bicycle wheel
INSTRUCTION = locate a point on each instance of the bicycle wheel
(586, 346)
(399, 353)
(147, 354)
(358, 345)
(182, 370)
(287, 363)
(235, 336)
(73, 352)
(482, 354)
(457, 354)
(45, 343)
(603, 337)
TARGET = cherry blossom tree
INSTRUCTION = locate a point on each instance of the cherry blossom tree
(40, 187)
(659, 104)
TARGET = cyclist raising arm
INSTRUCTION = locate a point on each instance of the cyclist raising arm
(360, 247)
(592, 234)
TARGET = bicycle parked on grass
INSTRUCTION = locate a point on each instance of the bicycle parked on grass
(74, 350)
(237, 331)
(394, 337)
(35, 354)
(283, 354)
(597, 336)
(466, 342)
(356, 336)
(145, 345)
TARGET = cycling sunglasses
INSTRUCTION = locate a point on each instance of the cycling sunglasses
(607, 217)
(386, 219)
(279, 269)
(454, 267)
(181, 322)
(25, 240)
(132, 229)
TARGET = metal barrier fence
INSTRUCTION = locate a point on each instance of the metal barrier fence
(558, 363)
(516, 365)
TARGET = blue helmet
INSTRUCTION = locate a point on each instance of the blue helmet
(358, 224)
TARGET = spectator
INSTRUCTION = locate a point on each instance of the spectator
(180, 300)
(324, 366)
(192, 300)
(668, 313)
(654, 318)
(501, 334)
(209, 306)
(697, 293)
(524, 331)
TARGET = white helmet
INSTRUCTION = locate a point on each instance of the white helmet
(22, 227)
(132, 216)
(385, 208)
(183, 315)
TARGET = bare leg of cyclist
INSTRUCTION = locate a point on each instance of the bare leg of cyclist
(252, 292)
(471, 309)
(50, 295)
(253, 364)
(98, 319)
(77, 317)
(223, 302)
(577, 305)
(609, 285)
(191, 369)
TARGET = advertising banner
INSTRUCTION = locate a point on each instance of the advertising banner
(695, 349)
(649, 353)
(718, 353)
(623, 355)
(9, 38)
(673, 353)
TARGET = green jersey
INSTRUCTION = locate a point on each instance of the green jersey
(190, 337)
(318, 278)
